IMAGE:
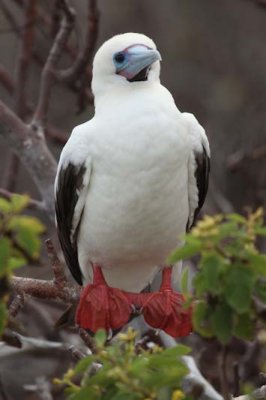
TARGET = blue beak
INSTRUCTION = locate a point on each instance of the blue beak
(134, 59)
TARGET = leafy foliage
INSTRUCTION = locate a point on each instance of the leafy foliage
(125, 373)
(19, 242)
(231, 280)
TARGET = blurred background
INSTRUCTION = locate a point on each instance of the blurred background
(214, 64)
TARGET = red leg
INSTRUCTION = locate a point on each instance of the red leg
(164, 309)
(102, 307)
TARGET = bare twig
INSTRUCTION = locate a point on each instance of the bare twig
(76, 353)
(58, 288)
(32, 151)
(22, 67)
(223, 375)
(6, 80)
(9, 16)
(43, 289)
(17, 304)
(87, 339)
(48, 73)
(24, 58)
(32, 204)
(10, 178)
(17, 340)
(56, 135)
(85, 56)
(60, 279)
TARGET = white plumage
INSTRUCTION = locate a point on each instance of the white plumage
(136, 190)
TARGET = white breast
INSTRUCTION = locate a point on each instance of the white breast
(137, 204)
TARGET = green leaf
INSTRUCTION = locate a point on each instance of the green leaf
(190, 248)
(227, 229)
(27, 231)
(244, 327)
(236, 218)
(83, 364)
(4, 255)
(208, 278)
(100, 338)
(19, 202)
(86, 393)
(260, 230)
(29, 242)
(184, 281)
(15, 262)
(200, 319)
(222, 322)
(177, 351)
(258, 263)
(26, 222)
(239, 284)
(5, 206)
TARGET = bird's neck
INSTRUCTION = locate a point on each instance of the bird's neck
(116, 97)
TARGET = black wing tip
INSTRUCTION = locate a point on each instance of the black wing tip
(69, 179)
(202, 172)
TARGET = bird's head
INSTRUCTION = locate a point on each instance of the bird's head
(125, 60)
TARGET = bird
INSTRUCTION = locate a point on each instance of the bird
(130, 182)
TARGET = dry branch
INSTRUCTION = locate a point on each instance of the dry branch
(24, 58)
(16, 305)
(48, 73)
(33, 204)
(6, 80)
(85, 55)
(58, 288)
(32, 151)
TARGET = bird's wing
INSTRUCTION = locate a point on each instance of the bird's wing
(71, 187)
(198, 167)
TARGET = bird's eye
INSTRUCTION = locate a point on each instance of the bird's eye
(119, 58)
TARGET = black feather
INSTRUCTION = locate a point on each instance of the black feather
(202, 179)
(70, 179)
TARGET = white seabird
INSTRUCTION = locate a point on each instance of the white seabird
(132, 179)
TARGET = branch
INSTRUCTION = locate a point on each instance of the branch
(194, 384)
(223, 374)
(24, 58)
(33, 204)
(85, 56)
(6, 80)
(58, 288)
(16, 305)
(48, 73)
(60, 279)
(32, 151)
(10, 16)
(56, 135)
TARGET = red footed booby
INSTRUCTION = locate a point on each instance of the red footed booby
(130, 181)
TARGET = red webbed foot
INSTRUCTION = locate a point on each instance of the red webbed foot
(102, 307)
(164, 309)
